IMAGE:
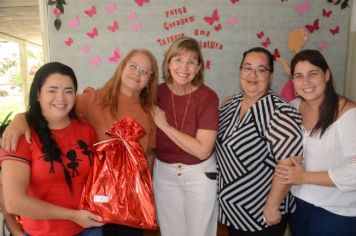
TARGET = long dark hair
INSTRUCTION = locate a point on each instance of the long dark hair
(329, 108)
(39, 123)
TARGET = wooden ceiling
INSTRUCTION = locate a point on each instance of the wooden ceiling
(20, 20)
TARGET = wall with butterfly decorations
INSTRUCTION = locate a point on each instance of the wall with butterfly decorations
(92, 36)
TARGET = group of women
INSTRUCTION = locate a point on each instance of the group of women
(263, 147)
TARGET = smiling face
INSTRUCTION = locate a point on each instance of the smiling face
(134, 78)
(255, 76)
(56, 98)
(183, 68)
(310, 81)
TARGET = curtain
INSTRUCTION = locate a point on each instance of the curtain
(350, 80)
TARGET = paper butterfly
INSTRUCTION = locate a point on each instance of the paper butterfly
(113, 27)
(95, 61)
(260, 34)
(111, 8)
(301, 9)
(323, 46)
(234, 1)
(93, 33)
(115, 57)
(68, 41)
(141, 2)
(132, 16)
(85, 48)
(276, 54)
(334, 31)
(327, 13)
(218, 27)
(136, 26)
(314, 27)
(232, 21)
(73, 22)
(91, 11)
(214, 17)
(266, 43)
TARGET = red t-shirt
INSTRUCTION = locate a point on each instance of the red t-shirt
(201, 113)
(73, 141)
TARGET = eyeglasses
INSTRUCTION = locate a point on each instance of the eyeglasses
(180, 62)
(247, 70)
(142, 71)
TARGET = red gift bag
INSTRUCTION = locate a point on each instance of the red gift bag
(119, 186)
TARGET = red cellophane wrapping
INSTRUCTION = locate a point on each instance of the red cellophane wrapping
(119, 186)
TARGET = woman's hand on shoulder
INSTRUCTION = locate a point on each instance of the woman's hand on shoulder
(17, 127)
(86, 219)
(159, 117)
(225, 99)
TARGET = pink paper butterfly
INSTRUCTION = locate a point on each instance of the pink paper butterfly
(218, 27)
(326, 13)
(214, 17)
(73, 22)
(266, 43)
(94, 61)
(141, 2)
(234, 1)
(113, 27)
(69, 41)
(85, 48)
(314, 27)
(335, 30)
(260, 34)
(136, 26)
(91, 11)
(323, 46)
(93, 33)
(115, 57)
(301, 9)
(132, 16)
(111, 8)
(233, 20)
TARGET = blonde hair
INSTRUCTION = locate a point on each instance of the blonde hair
(148, 95)
(179, 47)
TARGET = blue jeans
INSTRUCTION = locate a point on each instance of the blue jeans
(94, 231)
(310, 220)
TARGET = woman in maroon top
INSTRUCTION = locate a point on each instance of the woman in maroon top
(184, 171)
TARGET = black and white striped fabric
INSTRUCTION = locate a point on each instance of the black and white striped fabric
(247, 150)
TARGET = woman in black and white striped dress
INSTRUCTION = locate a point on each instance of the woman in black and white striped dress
(257, 129)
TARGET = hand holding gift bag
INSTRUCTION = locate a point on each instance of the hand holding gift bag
(119, 186)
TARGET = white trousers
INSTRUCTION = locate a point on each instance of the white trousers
(185, 198)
